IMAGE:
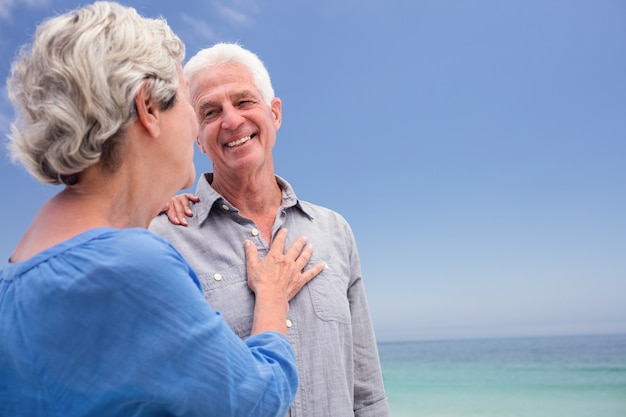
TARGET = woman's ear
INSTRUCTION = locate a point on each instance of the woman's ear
(148, 112)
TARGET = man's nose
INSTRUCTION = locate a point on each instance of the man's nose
(231, 119)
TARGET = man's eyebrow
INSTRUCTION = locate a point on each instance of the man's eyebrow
(235, 96)
(243, 94)
(207, 104)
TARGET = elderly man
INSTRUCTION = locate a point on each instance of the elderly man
(329, 324)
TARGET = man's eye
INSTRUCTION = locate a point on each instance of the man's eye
(244, 103)
(210, 113)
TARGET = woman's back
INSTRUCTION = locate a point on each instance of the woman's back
(112, 322)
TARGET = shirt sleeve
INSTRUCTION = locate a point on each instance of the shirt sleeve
(135, 335)
(369, 393)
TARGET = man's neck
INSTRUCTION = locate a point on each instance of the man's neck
(256, 197)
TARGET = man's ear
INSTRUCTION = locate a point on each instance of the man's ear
(277, 111)
(200, 144)
(148, 112)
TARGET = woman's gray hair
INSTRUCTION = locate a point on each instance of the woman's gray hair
(232, 54)
(73, 88)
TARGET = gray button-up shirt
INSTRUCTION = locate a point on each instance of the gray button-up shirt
(329, 324)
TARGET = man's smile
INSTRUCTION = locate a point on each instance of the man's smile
(240, 141)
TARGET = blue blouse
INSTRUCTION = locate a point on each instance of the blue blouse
(113, 323)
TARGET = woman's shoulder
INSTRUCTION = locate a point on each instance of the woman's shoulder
(106, 250)
(137, 239)
(132, 246)
(105, 259)
(136, 256)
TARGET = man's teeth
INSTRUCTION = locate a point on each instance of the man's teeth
(238, 142)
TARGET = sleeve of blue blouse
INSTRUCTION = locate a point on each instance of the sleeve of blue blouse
(167, 349)
(195, 360)
(369, 392)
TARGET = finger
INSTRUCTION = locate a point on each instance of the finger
(186, 203)
(296, 248)
(252, 254)
(170, 211)
(304, 256)
(278, 244)
(178, 204)
(312, 272)
(304, 278)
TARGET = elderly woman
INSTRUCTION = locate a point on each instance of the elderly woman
(98, 316)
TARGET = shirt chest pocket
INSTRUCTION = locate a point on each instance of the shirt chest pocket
(329, 296)
(227, 291)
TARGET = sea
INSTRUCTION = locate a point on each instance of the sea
(564, 376)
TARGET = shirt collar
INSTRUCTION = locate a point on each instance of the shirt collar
(209, 198)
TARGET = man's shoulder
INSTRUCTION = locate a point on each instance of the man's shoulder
(160, 222)
(162, 226)
(325, 215)
(315, 209)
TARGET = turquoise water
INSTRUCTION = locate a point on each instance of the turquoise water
(575, 376)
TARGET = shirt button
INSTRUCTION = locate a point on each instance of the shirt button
(289, 323)
(225, 207)
(217, 277)
(254, 232)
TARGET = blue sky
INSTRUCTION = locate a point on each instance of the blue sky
(478, 148)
